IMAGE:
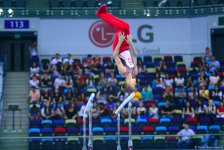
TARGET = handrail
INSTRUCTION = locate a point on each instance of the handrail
(96, 136)
(110, 54)
(140, 12)
(2, 92)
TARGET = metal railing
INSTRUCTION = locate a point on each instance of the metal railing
(199, 141)
(145, 12)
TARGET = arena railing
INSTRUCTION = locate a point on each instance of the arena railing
(143, 12)
(199, 141)
(187, 57)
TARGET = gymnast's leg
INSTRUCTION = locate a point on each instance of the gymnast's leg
(112, 20)
(118, 24)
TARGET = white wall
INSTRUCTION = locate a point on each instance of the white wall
(199, 34)
(170, 36)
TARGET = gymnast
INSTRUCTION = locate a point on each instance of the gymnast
(124, 52)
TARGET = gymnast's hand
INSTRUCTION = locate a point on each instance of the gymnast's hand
(121, 37)
(129, 39)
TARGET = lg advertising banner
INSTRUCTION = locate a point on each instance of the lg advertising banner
(151, 36)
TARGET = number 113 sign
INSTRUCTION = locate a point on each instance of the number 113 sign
(17, 24)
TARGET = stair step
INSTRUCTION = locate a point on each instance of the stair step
(15, 92)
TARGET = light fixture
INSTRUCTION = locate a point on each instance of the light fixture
(1, 10)
(162, 2)
(109, 2)
(10, 11)
(124, 12)
(202, 10)
(148, 14)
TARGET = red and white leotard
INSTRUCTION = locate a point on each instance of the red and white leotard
(123, 27)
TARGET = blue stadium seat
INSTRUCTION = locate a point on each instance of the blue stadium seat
(46, 123)
(106, 122)
(214, 129)
(141, 122)
(81, 130)
(158, 97)
(136, 130)
(165, 121)
(47, 131)
(98, 130)
(147, 59)
(58, 123)
(204, 120)
(110, 130)
(150, 65)
(72, 131)
(202, 129)
(217, 103)
(178, 59)
(161, 104)
(34, 132)
(177, 121)
(35, 124)
(161, 130)
(157, 90)
(173, 129)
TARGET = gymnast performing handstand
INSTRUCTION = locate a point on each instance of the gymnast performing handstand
(123, 49)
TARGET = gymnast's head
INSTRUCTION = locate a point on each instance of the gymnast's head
(129, 85)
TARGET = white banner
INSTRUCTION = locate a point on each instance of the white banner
(151, 36)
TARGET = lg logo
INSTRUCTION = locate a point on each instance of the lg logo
(144, 34)
(101, 34)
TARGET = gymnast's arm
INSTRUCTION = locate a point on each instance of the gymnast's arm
(133, 51)
(120, 66)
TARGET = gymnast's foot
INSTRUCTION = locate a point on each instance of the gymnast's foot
(101, 10)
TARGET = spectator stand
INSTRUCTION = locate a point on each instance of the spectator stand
(142, 124)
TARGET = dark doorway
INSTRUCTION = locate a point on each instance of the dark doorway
(217, 43)
(15, 47)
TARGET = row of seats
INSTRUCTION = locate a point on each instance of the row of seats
(181, 3)
(136, 130)
(105, 122)
(13, 3)
(110, 143)
(82, 3)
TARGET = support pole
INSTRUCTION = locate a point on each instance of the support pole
(84, 134)
(130, 142)
(88, 108)
(117, 112)
(90, 142)
(118, 132)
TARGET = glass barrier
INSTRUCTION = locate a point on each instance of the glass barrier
(109, 142)
(145, 12)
